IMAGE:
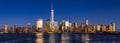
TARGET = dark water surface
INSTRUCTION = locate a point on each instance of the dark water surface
(60, 38)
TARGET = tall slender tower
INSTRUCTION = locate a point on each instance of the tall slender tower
(52, 16)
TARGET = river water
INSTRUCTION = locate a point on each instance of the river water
(60, 38)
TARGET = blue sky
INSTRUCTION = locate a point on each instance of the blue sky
(23, 11)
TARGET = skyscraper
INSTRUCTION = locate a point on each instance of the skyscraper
(66, 24)
(15, 28)
(52, 16)
(99, 27)
(40, 23)
(6, 28)
(113, 27)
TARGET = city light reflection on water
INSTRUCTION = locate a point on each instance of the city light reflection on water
(39, 38)
(85, 38)
(63, 38)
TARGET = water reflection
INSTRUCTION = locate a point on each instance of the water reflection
(65, 38)
(85, 38)
(60, 38)
(6, 42)
(74, 38)
(52, 38)
(39, 38)
(113, 41)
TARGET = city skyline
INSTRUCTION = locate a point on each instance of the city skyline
(21, 12)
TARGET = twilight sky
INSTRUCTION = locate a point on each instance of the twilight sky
(96, 11)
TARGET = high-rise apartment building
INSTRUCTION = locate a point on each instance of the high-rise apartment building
(40, 23)
(99, 27)
(6, 28)
(113, 27)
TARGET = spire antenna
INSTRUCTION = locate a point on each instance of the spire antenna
(51, 5)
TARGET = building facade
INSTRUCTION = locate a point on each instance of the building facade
(40, 23)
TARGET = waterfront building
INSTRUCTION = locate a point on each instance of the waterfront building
(98, 27)
(76, 28)
(67, 25)
(70, 28)
(47, 23)
(86, 29)
(56, 26)
(34, 29)
(82, 27)
(76, 24)
(91, 29)
(26, 30)
(104, 28)
(94, 29)
(47, 26)
(39, 24)
(112, 27)
(6, 28)
(62, 27)
(1, 31)
(15, 28)
(10, 30)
